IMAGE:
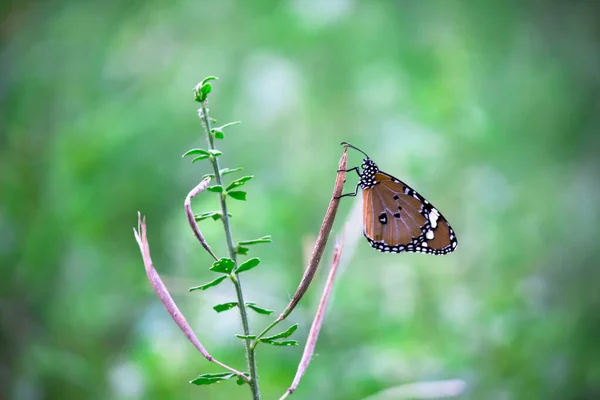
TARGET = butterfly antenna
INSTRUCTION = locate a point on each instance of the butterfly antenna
(355, 148)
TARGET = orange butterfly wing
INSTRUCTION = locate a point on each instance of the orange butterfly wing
(396, 218)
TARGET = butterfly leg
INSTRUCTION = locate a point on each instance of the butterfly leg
(349, 170)
(350, 194)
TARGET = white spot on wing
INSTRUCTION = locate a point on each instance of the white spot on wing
(433, 218)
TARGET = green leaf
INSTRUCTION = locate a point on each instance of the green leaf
(209, 284)
(208, 79)
(219, 216)
(240, 381)
(207, 379)
(259, 309)
(205, 89)
(224, 265)
(218, 131)
(282, 343)
(215, 188)
(238, 195)
(225, 306)
(208, 214)
(215, 215)
(239, 182)
(245, 336)
(226, 171)
(195, 151)
(202, 157)
(287, 333)
(248, 265)
(264, 239)
(241, 250)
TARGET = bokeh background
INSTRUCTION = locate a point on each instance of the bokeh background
(488, 108)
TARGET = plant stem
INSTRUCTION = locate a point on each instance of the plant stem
(318, 250)
(232, 254)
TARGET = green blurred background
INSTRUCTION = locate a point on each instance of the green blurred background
(488, 108)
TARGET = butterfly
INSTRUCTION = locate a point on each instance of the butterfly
(396, 218)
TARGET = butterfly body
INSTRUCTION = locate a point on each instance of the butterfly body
(398, 219)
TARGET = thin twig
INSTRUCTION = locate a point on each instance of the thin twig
(187, 204)
(319, 248)
(313, 334)
(167, 300)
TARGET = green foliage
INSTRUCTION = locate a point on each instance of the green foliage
(210, 378)
(245, 336)
(239, 182)
(281, 343)
(258, 309)
(215, 215)
(285, 334)
(223, 171)
(209, 284)
(248, 265)
(241, 250)
(196, 151)
(225, 306)
(215, 189)
(224, 265)
(202, 90)
(238, 195)
(264, 239)
(218, 131)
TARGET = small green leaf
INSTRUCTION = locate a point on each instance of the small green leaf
(248, 265)
(287, 333)
(238, 195)
(239, 182)
(224, 265)
(207, 379)
(218, 133)
(219, 216)
(230, 124)
(241, 250)
(208, 214)
(202, 157)
(205, 89)
(195, 151)
(225, 306)
(226, 171)
(259, 309)
(208, 79)
(282, 343)
(216, 189)
(215, 153)
(241, 381)
(209, 284)
(264, 239)
(245, 336)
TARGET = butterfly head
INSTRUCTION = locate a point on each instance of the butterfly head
(367, 175)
